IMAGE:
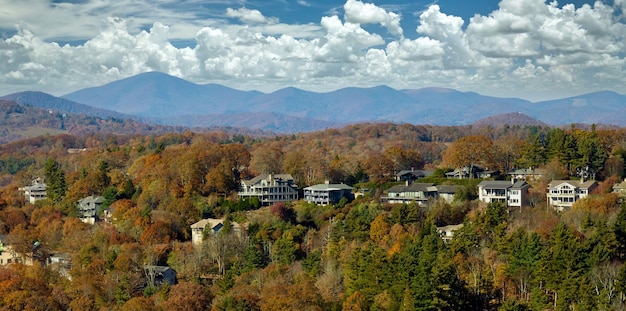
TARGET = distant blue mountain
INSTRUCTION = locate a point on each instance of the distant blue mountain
(47, 101)
(175, 101)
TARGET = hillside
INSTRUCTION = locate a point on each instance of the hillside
(20, 121)
(514, 118)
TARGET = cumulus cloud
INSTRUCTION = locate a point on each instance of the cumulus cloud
(526, 48)
(249, 16)
(368, 13)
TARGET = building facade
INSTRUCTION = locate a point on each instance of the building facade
(563, 193)
(269, 189)
(327, 193)
(513, 193)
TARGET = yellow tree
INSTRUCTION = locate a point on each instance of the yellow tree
(469, 151)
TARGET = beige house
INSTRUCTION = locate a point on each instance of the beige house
(269, 189)
(563, 193)
(620, 189)
(9, 256)
(211, 226)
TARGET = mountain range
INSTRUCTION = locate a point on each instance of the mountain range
(168, 100)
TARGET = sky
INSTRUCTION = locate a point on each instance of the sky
(532, 49)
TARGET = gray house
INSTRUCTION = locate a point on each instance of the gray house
(327, 193)
(88, 208)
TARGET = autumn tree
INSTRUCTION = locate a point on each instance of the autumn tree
(404, 159)
(470, 151)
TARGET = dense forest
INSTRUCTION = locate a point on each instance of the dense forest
(359, 255)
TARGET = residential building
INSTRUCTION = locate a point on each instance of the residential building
(88, 208)
(563, 193)
(412, 175)
(159, 275)
(447, 232)
(473, 171)
(35, 192)
(269, 189)
(447, 192)
(8, 255)
(528, 174)
(327, 193)
(419, 193)
(620, 189)
(211, 226)
(513, 193)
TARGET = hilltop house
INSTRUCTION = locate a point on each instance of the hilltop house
(447, 232)
(419, 193)
(473, 171)
(412, 175)
(159, 275)
(513, 193)
(528, 174)
(269, 189)
(88, 208)
(447, 192)
(210, 226)
(36, 191)
(327, 193)
(563, 193)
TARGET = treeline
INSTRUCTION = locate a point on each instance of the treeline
(361, 255)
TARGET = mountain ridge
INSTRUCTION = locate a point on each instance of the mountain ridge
(166, 99)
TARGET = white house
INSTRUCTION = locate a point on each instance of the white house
(269, 189)
(563, 193)
(513, 193)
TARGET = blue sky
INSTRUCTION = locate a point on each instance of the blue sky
(531, 49)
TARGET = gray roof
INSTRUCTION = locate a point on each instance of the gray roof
(418, 173)
(257, 179)
(414, 187)
(502, 184)
(575, 183)
(329, 187)
(448, 188)
(91, 199)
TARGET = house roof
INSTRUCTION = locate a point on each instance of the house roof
(620, 186)
(414, 187)
(329, 187)
(91, 199)
(448, 188)
(574, 183)
(502, 184)
(36, 187)
(416, 173)
(212, 223)
(258, 178)
(527, 171)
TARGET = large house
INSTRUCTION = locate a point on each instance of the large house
(35, 192)
(210, 226)
(419, 193)
(269, 189)
(88, 208)
(412, 175)
(513, 193)
(473, 171)
(563, 193)
(528, 174)
(447, 192)
(327, 193)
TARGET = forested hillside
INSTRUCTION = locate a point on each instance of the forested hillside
(359, 255)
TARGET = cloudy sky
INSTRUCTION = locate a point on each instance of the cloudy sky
(531, 49)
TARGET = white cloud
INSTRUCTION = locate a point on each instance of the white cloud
(368, 13)
(250, 16)
(525, 48)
